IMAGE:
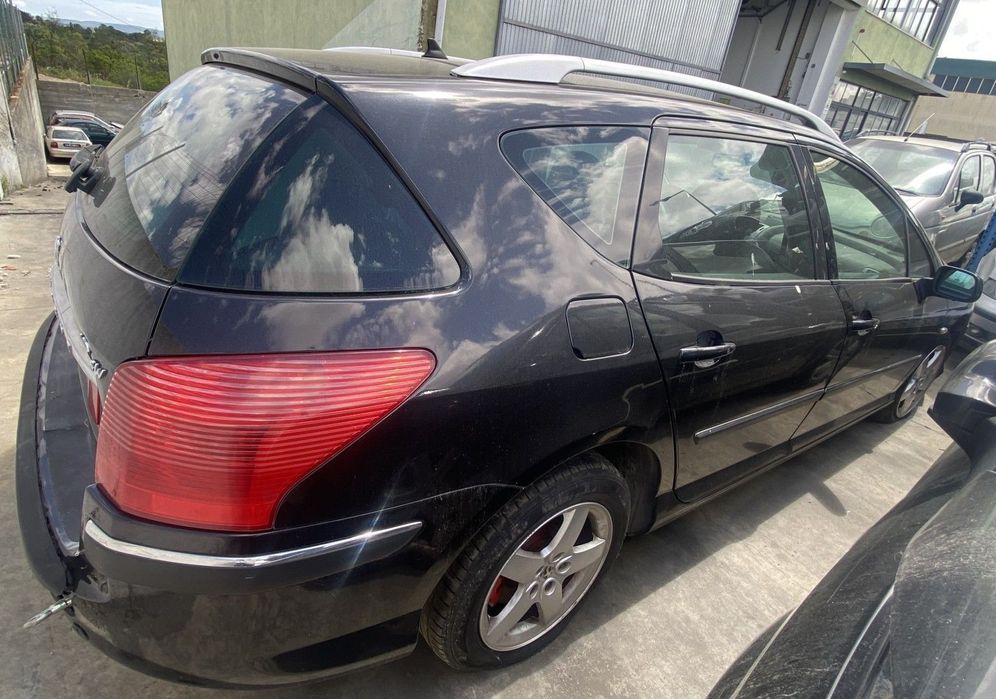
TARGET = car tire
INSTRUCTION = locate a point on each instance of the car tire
(911, 393)
(557, 537)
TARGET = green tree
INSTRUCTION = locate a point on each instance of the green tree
(102, 55)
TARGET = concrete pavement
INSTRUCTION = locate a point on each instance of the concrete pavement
(677, 608)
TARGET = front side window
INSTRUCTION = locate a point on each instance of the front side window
(590, 176)
(318, 210)
(869, 228)
(726, 209)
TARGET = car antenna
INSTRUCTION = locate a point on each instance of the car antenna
(917, 129)
(433, 49)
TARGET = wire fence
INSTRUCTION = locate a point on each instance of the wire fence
(13, 45)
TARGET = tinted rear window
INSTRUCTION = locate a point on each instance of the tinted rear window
(167, 170)
(67, 134)
(318, 210)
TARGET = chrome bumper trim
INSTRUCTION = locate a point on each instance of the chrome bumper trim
(92, 532)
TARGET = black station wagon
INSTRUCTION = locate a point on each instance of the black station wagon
(353, 347)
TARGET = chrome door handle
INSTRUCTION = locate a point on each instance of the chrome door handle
(710, 353)
(862, 326)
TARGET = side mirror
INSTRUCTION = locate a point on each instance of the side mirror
(957, 285)
(969, 196)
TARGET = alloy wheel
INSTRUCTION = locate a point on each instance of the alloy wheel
(546, 576)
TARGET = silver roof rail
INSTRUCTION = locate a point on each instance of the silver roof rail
(552, 69)
(374, 49)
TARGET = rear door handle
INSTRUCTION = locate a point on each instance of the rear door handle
(862, 326)
(709, 353)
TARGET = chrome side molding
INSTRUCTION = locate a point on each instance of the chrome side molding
(93, 532)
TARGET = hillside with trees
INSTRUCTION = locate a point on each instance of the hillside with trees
(99, 55)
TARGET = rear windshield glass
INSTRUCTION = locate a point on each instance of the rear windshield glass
(911, 168)
(68, 134)
(168, 168)
(318, 210)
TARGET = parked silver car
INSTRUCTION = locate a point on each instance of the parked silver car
(949, 185)
(64, 141)
(982, 326)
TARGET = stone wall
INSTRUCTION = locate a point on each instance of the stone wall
(26, 119)
(22, 151)
(111, 103)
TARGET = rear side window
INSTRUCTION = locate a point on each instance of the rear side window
(988, 175)
(317, 209)
(590, 176)
(166, 170)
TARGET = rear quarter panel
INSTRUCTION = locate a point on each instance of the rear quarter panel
(508, 399)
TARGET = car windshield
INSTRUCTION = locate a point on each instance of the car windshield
(911, 168)
(68, 134)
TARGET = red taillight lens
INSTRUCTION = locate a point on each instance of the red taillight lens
(216, 442)
(53, 144)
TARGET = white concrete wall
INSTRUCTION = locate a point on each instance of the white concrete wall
(962, 115)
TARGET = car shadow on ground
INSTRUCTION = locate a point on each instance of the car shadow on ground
(646, 564)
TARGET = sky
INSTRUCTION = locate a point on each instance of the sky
(141, 13)
(972, 33)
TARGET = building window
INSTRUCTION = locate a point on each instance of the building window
(979, 86)
(854, 109)
(921, 18)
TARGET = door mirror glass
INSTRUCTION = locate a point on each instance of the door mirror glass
(957, 285)
(968, 197)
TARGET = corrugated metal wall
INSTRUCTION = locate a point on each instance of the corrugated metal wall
(690, 36)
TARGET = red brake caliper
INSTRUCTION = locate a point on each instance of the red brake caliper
(495, 591)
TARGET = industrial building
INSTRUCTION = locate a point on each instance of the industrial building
(863, 63)
(969, 111)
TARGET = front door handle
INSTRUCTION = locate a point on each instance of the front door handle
(862, 326)
(705, 356)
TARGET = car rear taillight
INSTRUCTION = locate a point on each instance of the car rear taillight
(216, 442)
(53, 144)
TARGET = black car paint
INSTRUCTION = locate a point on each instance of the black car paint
(523, 382)
(917, 589)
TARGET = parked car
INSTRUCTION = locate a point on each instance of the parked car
(99, 131)
(982, 325)
(314, 387)
(64, 141)
(949, 185)
(908, 611)
(59, 116)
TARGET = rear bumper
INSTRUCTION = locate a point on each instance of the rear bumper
(216, 609)
(62, 152)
